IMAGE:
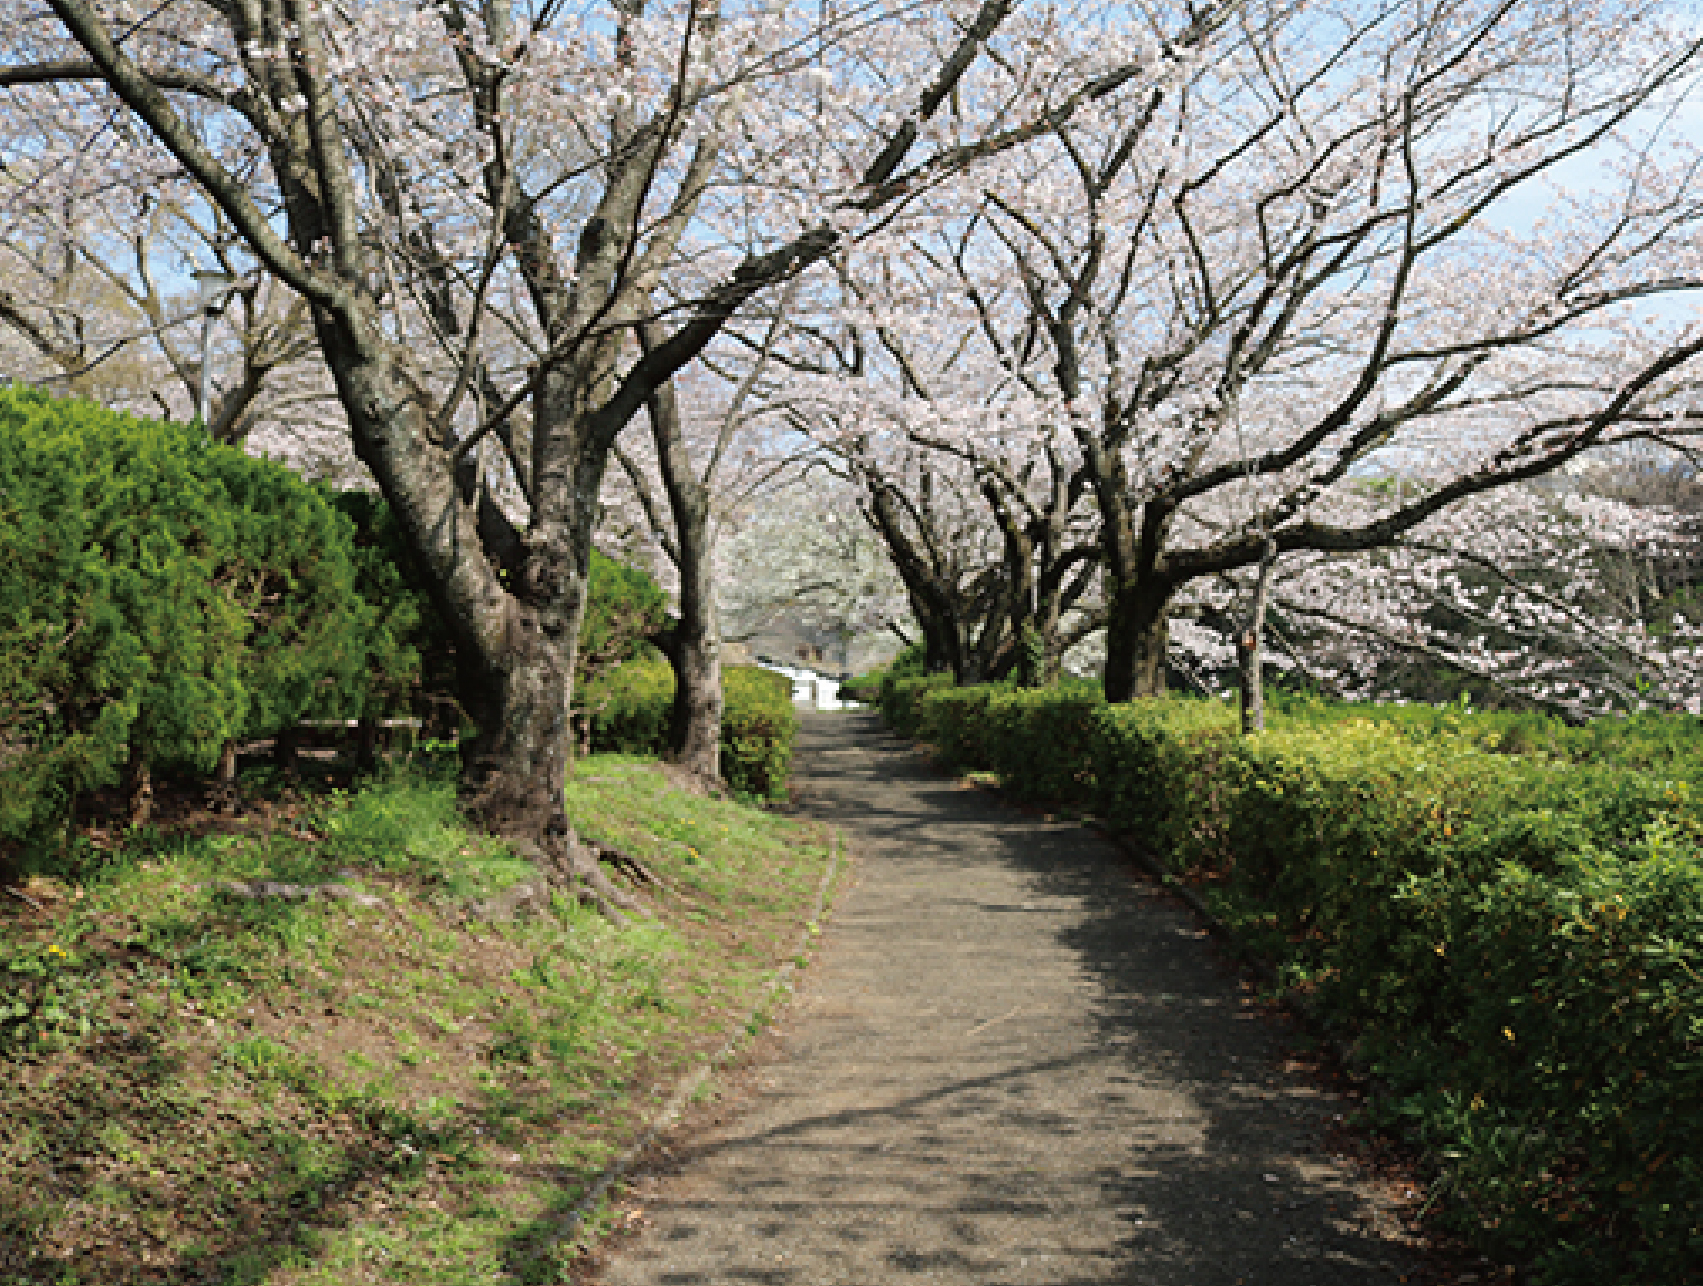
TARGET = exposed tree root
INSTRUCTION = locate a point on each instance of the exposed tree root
(697, 783)
(537, 829)
(628, 865)
(573, 867)
(24, 897)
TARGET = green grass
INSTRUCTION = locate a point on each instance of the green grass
(198, 1087)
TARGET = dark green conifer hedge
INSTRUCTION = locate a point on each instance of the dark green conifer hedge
(160, 596)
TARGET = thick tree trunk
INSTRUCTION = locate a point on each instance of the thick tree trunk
(969, 670)
(1137, 638)
(937, 650)
(960, 662)
(941, 654)
(695, 736)
(1138, 596)
(515, 767)
(1137, 600)
(515, 642)
(513, 603)
(932, 598)
(222, 794)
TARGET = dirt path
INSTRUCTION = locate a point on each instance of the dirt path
(1009, 1064)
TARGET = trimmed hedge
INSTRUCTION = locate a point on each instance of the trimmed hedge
(629, 709)
(1650, 739)
(758, 724)
(1514, 941)
(911, 663)
(955, 720)
(1047, 739)
(901, 698)
(863, 687)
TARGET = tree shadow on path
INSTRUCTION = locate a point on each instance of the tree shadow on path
(1015, 1064)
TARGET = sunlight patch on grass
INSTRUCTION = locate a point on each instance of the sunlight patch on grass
(197, 1085)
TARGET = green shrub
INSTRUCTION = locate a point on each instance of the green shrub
(1155, 771)
(1671, 743)
(160, 596)
(1041, 742)
(1318, 831)
(624, 609)
(407, 647)
(901, 699)
(955, 722)
(864, 687)
(410, 655)
(758, 724)
(911, 663)
(1505, 914)
(308, 643)
(1560, 1081)
(629, 709)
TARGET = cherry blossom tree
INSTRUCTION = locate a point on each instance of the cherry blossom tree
(981, 508)
(481, 205)
(802, 548)
(994, 558)
(1312, 252)
(699, 468)
(1263, 310)
(1547, 596)
(99, 300)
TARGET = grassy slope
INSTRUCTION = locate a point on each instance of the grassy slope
(209, 1088)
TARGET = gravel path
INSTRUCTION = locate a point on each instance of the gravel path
(1009, 1064)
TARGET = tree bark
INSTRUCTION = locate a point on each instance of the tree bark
(695, 737)
(1137, 638)
(934, 599)
(937, 647)
(1250, 657)
(139, 788)
(1138, 594)
(695, 648)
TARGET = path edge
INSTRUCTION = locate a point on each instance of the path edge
(690, 1081)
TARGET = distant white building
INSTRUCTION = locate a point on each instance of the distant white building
(818, 691)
